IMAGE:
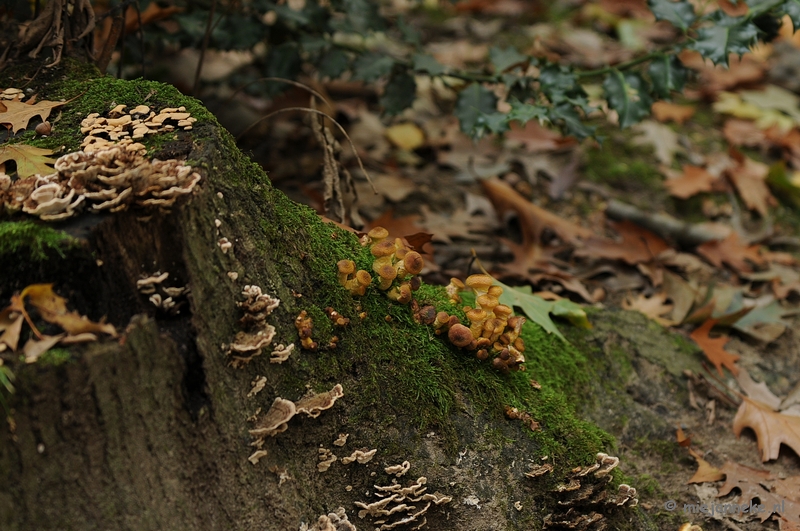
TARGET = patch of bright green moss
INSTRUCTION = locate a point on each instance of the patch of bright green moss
(36, 238)
(55, 357)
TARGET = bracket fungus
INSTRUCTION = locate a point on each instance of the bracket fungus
(326, 459)
(314, 404)
(336, 521)
(281, 353)
(257, 335)
(398, 470)
(363, 456)
(341, 440)
(395, 500)
(276, 420)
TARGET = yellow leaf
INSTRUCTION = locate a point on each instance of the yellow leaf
(18, 114)
(30, 160)
(406, 136)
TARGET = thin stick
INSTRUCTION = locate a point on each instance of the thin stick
(282, 80)
(314, 111)
(203, 48)
(108, 47)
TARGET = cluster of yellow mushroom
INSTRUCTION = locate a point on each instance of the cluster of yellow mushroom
(395, 265)
(493, 330)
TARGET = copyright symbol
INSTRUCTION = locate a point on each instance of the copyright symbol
(670, 505)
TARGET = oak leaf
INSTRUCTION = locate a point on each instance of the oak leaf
(18, 114)
(714, 349)
(705, 471)
(749, 178)
(638, 245)
(692, 181)
(731, 251)
(775, 495)
(771, 428)
(653, 307)
(30, 160)
(53, 309)
(665, 111)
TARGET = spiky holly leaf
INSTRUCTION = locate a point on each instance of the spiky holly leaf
(627, 94)
(679, 14)
(560, 84)
(363, 16)
(504, 58)
(473, 102)
(525, 112)
(371, 66)
(726, 35)
(792, 8)
(565, 116)
(427, 63)
(496, 122)
(667, 74)
(399, 93)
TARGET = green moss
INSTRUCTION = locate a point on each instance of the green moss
(55, 357)
(619, 163)
(34, 239)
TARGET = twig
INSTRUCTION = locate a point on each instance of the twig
(117, 22)
(282, 80)
(314, 111)
(203, 48)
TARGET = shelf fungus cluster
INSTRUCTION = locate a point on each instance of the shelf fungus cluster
(336, 521)
(584, 499)
(398, 506)
(166, 298)
(493, 330)
(132, 124)
(276, 420)
(257, 333)
(107, 180)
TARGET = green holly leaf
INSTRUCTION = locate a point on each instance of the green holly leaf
(565, 116)
(679, 14)
(791, 8)
(473, 102)
(496, 123)
(363, 16)
(503, 59)
(372, 66)
(560, 84)
(399, 93)
(427, 63)
(525, 112)
(667, 74)
(538, 310)
(724, 36)
(334, 63)
(628, 95)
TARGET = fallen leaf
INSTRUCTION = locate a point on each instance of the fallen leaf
(11, 326)
(731, 251)
(406, 136)
(705, 471)
(776, 495)
(460, 225)
(714, 349)
(638, 245)
(18, 114)
(743, 133)
(536, 138)
(660, 137)
(749, 178)
(665, 111)
(757, 391)
(53, 309)
(682, 439)
(30, 160)
(653, 307)
(33, 349)
(692, 181)
(771, 428)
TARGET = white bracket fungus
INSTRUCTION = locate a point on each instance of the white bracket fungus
(256, 456)
(341, 440)
(314, 404)
(336, 521)
(257, 386)
(276, 419)
(396, 500)
(363, 456)
(398, 470)
(326, 459)
(281, 353)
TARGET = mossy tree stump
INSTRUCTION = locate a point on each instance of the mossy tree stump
(150, 431)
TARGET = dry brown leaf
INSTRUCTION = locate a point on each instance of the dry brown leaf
(771, 428)
(749, 178)
(713, 348)
(743, 133)
(705, 471)
(33, 349)
(30, 160)
(713, 79)
(692, 181)
(18, 114)
(536, 137)
(779, 496)
(757, 391)
(53, 309)
(731, 251)
(11, 326)
(638, 245)
(682, 439)
(653, 307)
(665, 111)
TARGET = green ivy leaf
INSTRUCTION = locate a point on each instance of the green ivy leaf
(525, 112)
(565, 116)
(628, 95)
(726, 35)
(503, 59)
(679, 14)
(667, 74)
(538, 310)
(399, 93)
(427, 63)
(334, 63)
(474, 101)
(363, 16)
(371, 66)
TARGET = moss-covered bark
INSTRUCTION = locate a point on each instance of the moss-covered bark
(151, 432)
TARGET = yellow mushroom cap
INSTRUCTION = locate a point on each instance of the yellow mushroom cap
(384, 248)
(346, 267)
(378, 233)
(363, 278)
(502, 311)
(495, 291)
(476, 315)
(487, 302)
(413, 262)
(387, 272)
(459, 335)
(479, 282)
